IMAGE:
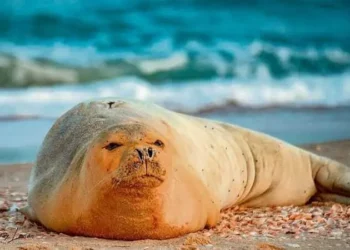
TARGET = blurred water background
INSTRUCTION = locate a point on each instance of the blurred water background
(280, 67)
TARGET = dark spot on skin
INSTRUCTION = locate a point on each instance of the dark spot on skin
(243, 182)
(202, 170)
(205, 126)
(110, 104)
(256, 160)
(237, 195)
(211, 146)
(226, 148)
(229, 190)
(155, 222)
(304, 191)
(233, 180)
(242, 171)
(166, 124)
(212, 128)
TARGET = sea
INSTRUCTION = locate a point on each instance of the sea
(277, 66)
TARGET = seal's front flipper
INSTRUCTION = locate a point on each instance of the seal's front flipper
(29, 213)
(332, 180)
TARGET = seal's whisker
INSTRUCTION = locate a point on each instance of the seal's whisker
(97, 184)
(88, 191)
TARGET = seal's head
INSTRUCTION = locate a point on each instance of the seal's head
(133, 155)
(129, 178)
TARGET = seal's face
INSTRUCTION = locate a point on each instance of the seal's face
(133, 155)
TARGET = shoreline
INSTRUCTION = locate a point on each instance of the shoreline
(15, 232)
(225, 108)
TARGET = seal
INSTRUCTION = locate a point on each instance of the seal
(131, 170)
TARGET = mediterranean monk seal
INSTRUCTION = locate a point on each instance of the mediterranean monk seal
(133, 170)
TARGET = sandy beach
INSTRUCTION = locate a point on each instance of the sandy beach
(277, 67)
(314, 226)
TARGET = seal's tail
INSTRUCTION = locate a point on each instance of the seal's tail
(332, 180)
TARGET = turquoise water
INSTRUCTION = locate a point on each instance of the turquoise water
(187, 55)
(182, 54)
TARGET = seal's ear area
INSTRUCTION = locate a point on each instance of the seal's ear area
(113, 104)
(165, 123)
(99, 105)
(168, 129)
(28, 212)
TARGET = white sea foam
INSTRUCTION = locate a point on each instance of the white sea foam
(161, 52)
(150, 66)
(295, 91)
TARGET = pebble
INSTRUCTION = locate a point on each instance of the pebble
(336, 233)
(292, 245)
(10, 228)
(4, 206)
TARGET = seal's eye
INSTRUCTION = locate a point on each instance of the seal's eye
(159, 143)
(112, 145)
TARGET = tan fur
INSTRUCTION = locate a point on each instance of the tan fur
(170, 174)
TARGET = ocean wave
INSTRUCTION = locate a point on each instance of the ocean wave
(61, 64)
(171, 40)
(195, 97)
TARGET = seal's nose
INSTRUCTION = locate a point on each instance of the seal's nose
(145, 153)
(150, 152)
(140, 153)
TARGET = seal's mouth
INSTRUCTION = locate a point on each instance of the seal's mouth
(148, 177)
(141, 181)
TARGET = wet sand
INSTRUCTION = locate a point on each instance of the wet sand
(315, 226)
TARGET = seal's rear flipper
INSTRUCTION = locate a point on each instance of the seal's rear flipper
(331, 197)
(332, 180)
(29, 213)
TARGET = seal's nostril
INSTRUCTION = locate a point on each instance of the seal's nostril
(140, 154)
(150, 152)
